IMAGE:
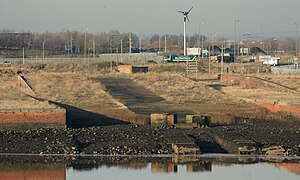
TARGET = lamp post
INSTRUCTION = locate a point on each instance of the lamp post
(121, 50)
(43, 50)
(165, 44)
(71, 43)
(275, 46)
(158, 43)
(296, 40)
(234, 45)
(85, 43)
(200, 53)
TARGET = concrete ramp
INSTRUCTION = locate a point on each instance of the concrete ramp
(140, 99)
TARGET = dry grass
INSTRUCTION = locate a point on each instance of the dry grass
(70, 88)
(289, 80)
(12, 98)
(264, 95)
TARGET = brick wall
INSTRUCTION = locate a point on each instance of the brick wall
(50, 117)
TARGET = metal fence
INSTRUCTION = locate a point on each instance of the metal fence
(128, 58)
(288, 69)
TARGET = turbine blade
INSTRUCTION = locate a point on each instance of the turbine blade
(181, 12)
(188, 18)
(190, 9)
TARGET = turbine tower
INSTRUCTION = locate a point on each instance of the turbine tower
(185, 17)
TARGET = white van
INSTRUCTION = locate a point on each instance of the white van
(274, 61)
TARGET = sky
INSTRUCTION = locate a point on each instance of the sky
(151, 16)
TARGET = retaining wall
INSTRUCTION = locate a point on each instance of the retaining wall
(54, 117)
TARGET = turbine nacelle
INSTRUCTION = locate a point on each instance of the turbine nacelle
(185, 15)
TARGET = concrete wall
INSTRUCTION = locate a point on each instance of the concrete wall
(163, 119)
(130, 69)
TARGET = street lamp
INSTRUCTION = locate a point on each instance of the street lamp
(85, 43)
(201, 40)
(275, 46)
(43, 50)
(296, 40)
(234, 48)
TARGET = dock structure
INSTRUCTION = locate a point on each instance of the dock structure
(239, 146)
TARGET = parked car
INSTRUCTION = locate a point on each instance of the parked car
(6, 62)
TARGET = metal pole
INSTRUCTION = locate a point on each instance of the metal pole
(201, 39)
(165, 44)
(234, 45)
(184, 38)
(23, 55)
(222, 60)
(130, 44)
(121, 50)
(71, 44)
(296, 40)
(68, 49)
(209, 60)
(140, 44)
(85, 45)
(43, 50)
(158, 43)
(212, 45)
(202, 46)
(198, 41)
(94, 48)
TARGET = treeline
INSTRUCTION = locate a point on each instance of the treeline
(106, 42)
(76, 42)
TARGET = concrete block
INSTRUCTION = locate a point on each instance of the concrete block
(163, 119)
(130, 69)
(274, 151)
(185, 148)
(201, 120)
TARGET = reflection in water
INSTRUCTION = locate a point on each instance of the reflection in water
(163, 168)
(292, 167)
(31, 167)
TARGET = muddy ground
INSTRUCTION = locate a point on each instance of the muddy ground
(91, 113)
(148, 140)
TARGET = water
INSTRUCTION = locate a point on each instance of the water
(131, 168)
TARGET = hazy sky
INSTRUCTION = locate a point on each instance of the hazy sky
(150, 16)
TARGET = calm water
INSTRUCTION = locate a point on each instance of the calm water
(86, 168)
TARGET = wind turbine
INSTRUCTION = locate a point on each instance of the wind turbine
(185, 17)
